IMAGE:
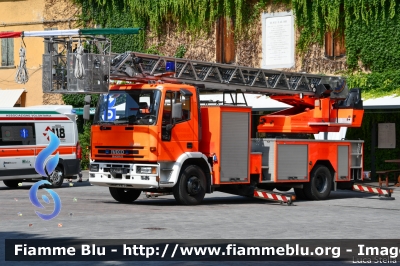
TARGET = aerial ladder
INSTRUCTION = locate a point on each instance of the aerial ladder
(81, 61)
(324, 102)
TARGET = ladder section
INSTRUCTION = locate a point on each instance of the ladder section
(220, 77)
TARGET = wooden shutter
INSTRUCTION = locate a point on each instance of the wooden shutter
(3, 52)
(7, 52)
(338, 44)
(10, 51)
(328, 44)
(334, 44)
(225, 41)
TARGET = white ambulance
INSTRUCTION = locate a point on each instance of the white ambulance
(24, 133)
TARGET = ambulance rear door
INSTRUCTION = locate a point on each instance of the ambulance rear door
(17, 149)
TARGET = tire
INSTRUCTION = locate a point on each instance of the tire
(191, 186)
(125, 195)
(56, 178)
(11, 183)
(300, 194)
(320, 184)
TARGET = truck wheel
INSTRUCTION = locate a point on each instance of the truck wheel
(320, 183)
(56, 178)
(124, 195)
(191, 186)
(11, 183)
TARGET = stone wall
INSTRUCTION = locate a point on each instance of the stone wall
(248, 49)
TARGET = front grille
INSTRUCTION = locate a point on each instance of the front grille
(120, 147)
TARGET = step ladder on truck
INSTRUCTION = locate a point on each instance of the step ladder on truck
(150, 133)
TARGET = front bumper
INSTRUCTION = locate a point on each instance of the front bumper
(124, 175)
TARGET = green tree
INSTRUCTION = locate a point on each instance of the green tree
(84, 139)
(77, 101)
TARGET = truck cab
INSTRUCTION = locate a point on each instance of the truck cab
(141, 132)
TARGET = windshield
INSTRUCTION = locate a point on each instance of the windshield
(136, 107)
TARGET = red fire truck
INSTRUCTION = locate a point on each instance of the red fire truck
(152, 133)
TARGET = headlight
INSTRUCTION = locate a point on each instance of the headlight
(146, 170)
(94, 168)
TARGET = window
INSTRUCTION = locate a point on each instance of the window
(334, 44)
(7, 52)
(169, 99)
(136, 107)
(13, 134)
(225, 41)
(166, 118)
(185, 100)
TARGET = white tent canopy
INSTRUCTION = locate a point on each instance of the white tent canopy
(8, 98)
(264, 103)
(256, 101)
(386, 102)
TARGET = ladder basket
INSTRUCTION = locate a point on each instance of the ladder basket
(64, 56)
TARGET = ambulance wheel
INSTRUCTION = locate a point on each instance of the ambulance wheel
(300, 194)
(124, 195)
(11, 183)
(56, 178)
(191, 186)
(320, 183)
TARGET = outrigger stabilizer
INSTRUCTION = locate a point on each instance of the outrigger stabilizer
(384, 193)
(274, 196)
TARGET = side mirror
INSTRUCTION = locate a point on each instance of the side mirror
(86, 112)
(176, 110)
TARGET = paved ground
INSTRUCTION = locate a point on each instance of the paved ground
(89, 212)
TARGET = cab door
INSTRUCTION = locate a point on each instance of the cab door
(178, 135)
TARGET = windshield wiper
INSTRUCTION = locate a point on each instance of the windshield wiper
(104, 122)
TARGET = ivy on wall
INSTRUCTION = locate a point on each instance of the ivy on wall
(195, 17)
(314, 19)
(372, 31)
(371, 28)
(376, 84)
(113, 14)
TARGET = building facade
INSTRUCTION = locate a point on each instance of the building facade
(32, 15)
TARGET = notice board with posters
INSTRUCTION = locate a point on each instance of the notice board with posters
(386, 135)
